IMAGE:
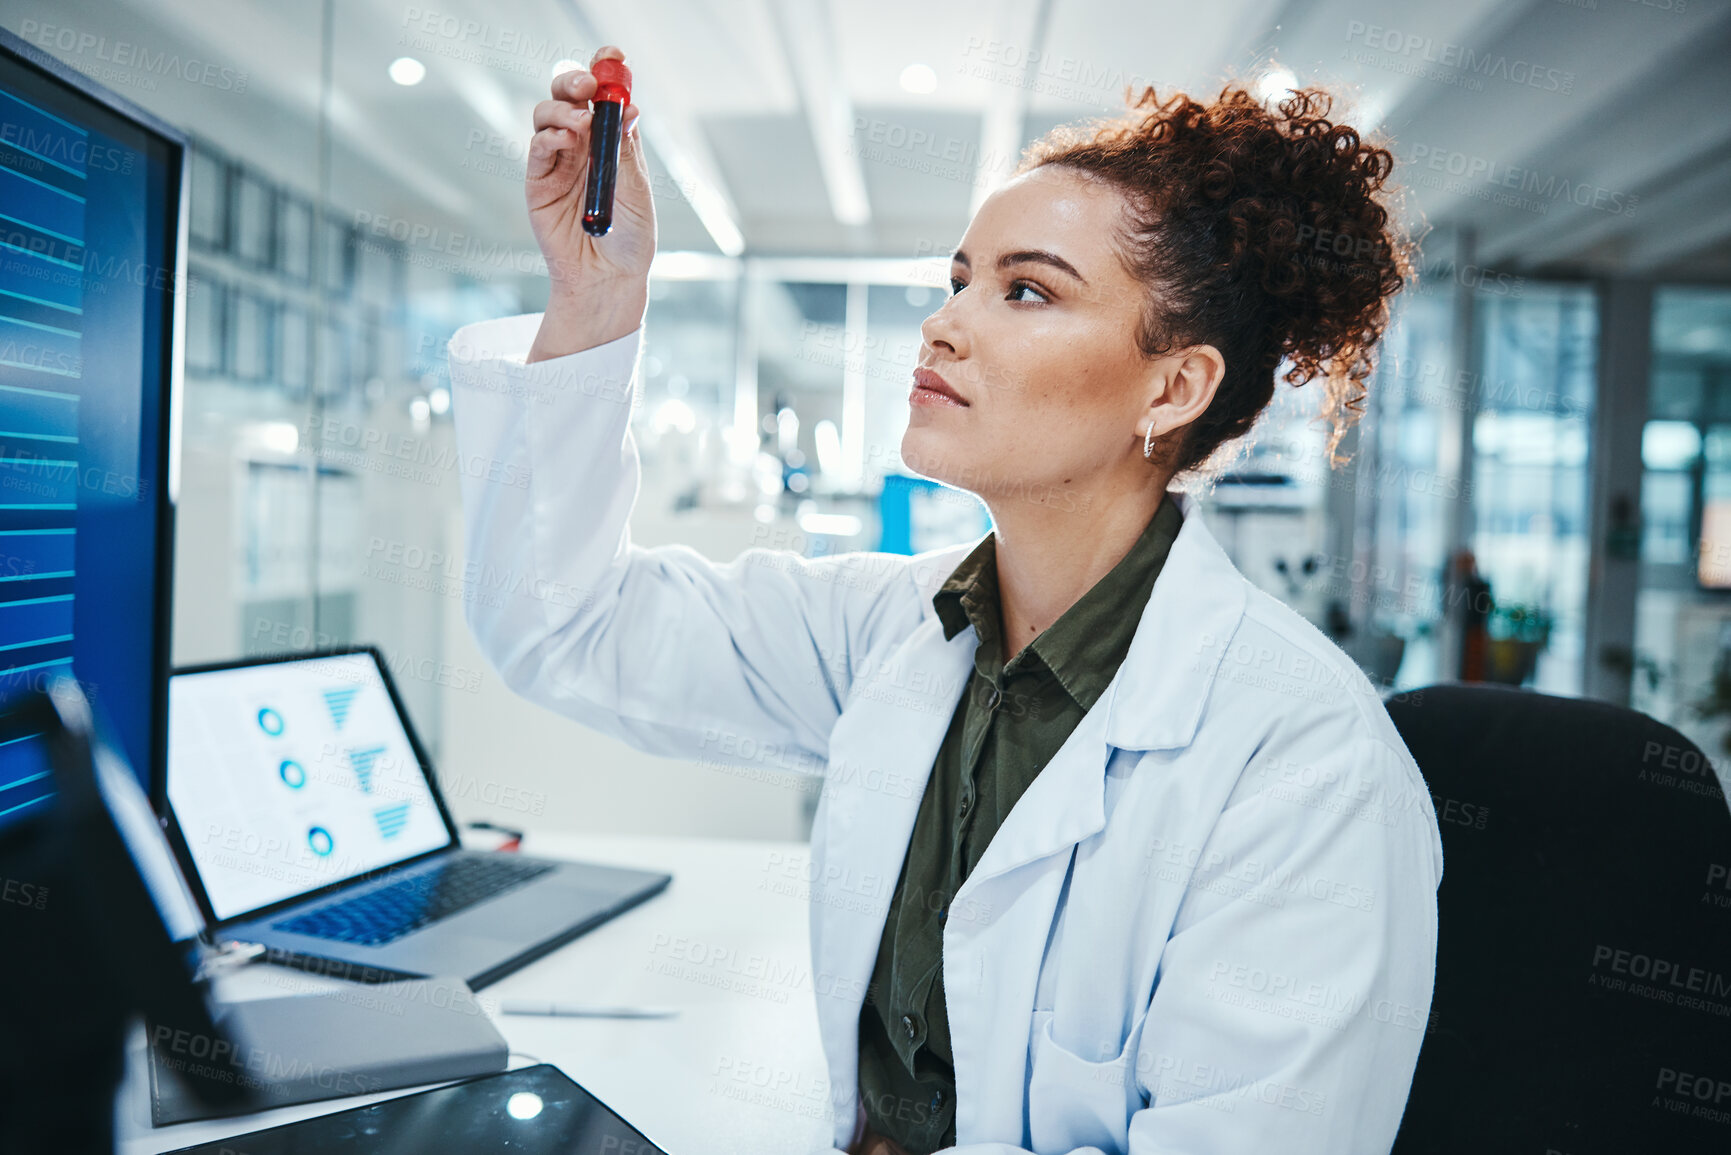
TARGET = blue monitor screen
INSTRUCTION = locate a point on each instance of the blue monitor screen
(89, 215)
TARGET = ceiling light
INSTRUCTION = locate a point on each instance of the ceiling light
(407, 71)
(919, 79)
(830, 524)
(1275, 84)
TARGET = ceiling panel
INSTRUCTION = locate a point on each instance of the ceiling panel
(769, 163)
(1628, 101)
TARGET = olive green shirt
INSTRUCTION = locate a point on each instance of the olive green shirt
(1012, 719)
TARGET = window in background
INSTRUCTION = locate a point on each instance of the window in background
(207, 198)
(206, 302)
(1712, 569)
(1671, 460)
(378, 270)
(1404, 488)
(294, 237)
(1267, 505)
(250, 354)
(254, 218)
(294, 351)
(338, 253)
(1536, 381)
(1682, 608)
(336, 358)
(689, 367)
(801, 367)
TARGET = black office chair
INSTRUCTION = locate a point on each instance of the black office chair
(1583, 987)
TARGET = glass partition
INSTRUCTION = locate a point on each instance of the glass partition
(1538, 358)
(1684, 603)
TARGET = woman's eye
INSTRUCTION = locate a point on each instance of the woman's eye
(957, 285)
(1020, 287)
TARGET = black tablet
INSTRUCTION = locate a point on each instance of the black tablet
(529, 1111)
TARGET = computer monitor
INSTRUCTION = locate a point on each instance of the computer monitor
(92, 253)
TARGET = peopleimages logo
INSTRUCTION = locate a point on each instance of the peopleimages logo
(133, 57)
(1539, 188)
(1459, 59)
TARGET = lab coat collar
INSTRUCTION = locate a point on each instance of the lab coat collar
(1155, 701)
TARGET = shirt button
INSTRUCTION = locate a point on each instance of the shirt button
(993, 697)
(912, 1028)
(937, 1101)
(967, 804)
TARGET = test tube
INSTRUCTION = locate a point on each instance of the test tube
(605, 129)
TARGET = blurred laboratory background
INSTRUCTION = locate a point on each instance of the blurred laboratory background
(1539, 492)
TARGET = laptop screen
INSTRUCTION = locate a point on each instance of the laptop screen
(286, 777)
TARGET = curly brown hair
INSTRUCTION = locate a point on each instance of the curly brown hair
(1261, 231)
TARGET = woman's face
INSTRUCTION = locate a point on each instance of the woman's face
(1038, 338)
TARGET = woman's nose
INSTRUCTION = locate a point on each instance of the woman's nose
(944, 330)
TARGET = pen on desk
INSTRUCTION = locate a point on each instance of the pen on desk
(582, 1010)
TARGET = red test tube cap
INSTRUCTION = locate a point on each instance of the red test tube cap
(614, 80)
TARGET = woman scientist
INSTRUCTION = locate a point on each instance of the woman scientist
(1150, 868)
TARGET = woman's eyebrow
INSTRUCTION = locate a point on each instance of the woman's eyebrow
(1025, 257)
(1040, 257)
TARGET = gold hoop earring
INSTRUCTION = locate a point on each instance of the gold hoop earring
(1148, 443)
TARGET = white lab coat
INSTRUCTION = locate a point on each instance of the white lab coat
(1209, 925)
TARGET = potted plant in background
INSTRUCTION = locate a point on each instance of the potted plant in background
(1519, 633)
(1717, 701)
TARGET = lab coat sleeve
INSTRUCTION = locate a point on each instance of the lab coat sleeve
(1295, 990)
(740, 663)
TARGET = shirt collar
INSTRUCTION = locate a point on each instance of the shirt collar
(1087, 643)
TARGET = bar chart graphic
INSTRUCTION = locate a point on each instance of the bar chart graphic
(361, 762)
(338, 700)
(392, 819)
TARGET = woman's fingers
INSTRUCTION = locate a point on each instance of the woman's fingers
(576, 85)
(559, 114)
(544, 149)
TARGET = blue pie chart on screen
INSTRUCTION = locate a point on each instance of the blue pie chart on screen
(294, 775)
(321, 841)
(270, 721)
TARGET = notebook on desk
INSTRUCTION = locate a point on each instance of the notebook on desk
(303, 1048)
(308, 819)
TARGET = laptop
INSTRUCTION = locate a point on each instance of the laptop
(309, 820)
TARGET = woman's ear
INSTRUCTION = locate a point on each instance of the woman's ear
(1182, 387)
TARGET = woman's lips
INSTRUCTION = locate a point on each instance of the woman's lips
(931, 389)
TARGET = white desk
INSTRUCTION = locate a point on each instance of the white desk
(739, 1070)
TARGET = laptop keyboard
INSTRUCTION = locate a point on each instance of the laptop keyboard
(390, 912)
